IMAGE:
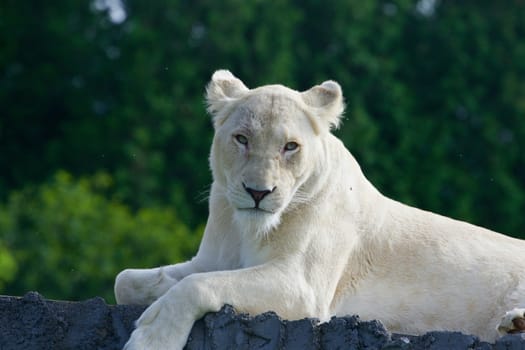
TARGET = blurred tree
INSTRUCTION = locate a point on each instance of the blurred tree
(466, 122)
(8, 266)
(69, 241)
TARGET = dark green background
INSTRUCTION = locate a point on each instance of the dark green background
(104, 137)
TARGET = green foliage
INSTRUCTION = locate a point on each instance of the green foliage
(69, 241)
(7, 266)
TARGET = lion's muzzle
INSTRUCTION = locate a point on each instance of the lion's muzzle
(257, 195)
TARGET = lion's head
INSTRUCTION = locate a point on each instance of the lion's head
(268, 145)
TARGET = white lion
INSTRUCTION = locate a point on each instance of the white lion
(295, 227)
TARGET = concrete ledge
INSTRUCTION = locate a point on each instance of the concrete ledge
(32, 322)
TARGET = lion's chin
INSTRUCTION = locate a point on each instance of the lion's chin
(256, 222)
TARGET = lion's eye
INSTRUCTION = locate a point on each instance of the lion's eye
(243, 140)
(291, 146)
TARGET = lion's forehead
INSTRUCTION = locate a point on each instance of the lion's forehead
(268, 109)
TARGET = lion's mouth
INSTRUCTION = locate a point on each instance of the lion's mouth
(256, 210)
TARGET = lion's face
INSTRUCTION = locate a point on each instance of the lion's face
(267, 145)
(264, 152)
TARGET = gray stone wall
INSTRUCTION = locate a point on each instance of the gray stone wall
(32, 322)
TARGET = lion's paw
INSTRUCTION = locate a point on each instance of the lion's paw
(159, 328)
(151, 337)
(512, 322)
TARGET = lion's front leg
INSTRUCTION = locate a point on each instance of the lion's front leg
(166, 324)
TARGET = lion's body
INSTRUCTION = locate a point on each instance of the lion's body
(295, 227)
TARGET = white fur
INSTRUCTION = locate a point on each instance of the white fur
(324, 242)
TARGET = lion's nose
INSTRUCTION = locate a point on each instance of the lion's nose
(257, 195)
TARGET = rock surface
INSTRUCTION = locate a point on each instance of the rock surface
(32, 322)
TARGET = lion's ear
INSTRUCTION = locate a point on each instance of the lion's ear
(327, 100)
(223, 88)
